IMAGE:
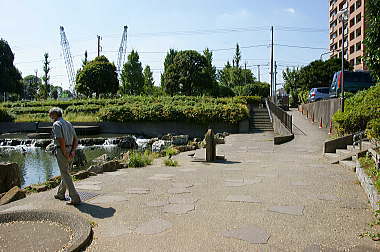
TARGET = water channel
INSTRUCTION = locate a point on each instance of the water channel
(37, 165)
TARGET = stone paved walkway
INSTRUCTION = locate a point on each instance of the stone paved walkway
(264, 198)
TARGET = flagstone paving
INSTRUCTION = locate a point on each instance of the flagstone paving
(263, 198)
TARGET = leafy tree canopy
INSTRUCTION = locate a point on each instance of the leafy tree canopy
(372, 38)
(188, 74)
(10, 77)
(97, 77)
(132, 77)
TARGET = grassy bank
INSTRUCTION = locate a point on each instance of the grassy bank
(137, 108)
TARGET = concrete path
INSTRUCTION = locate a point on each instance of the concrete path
(264, 198)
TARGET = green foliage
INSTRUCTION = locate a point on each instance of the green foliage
(132, 77)
(170, 162)
(169, 60)
(97, 77)
(5, 116)
(138, 159)
(369, 166)
(190, 109)
(188, 74)
(148, 77)
(360, 109)
(139, 108)
(31, 84)
(254, 89)
(302, 96)
(317, 74)
(372, 37)
(373, 130)
(45, 89)
(171, 151)
(10, 77)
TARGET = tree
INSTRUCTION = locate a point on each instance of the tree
(237, 57)
(31, 85)
(188, 75)
(55, 92)
(169, 60)
(372, 38)
(97, 77)
(45, 88)
(132, 77)
(85, 60)
(148, 76)
(253, 89)
(10, 77)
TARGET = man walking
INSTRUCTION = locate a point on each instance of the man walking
(66, 142)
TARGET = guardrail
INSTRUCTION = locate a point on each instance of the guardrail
(285, 118)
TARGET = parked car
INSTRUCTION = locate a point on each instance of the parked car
(317, 94)
(353, 82)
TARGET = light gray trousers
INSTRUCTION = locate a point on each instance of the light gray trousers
(66, 180)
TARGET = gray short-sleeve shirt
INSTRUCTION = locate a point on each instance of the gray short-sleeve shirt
(63, 129)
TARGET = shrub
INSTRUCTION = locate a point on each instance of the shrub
(5, 116)
(138, 159)
(369, 166)
(170, 151)
(373, 130)
(170, 162)
(360, 109)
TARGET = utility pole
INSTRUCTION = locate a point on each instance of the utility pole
(258, 72)
(342, 74)
(275, 81)
(99, 47)
(245, 73)
(271, 65)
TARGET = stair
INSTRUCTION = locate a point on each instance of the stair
(259, 120)
(347, 157)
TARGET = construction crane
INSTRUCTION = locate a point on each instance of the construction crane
(122, 51)
(68, 59)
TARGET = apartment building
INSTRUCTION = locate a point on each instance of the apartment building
(353, 34)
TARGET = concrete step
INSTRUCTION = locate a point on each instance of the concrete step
(351, 147)
(349, 164)
(331, 155)
(354, 158)
(344, 152)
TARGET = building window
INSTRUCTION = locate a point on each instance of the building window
(358, 4)
(358, 60)
(358, 46)
(358, 18)
(352, 22)
(352, 35)
(358, 32)
(352, 8)
(352, 49)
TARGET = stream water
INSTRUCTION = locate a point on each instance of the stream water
(37, 165)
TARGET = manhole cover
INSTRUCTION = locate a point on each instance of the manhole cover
(84, 196)
(33, 230)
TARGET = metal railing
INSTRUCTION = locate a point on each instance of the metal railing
(285, 118)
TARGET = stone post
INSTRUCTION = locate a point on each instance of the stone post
(210, 146)
(10, 176)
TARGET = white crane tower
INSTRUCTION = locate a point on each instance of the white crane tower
(122, 51)
(68, 59)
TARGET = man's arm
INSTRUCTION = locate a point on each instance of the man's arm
(62, 146)
(74, 146)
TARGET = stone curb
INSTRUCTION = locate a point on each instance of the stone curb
(82, 232)
(369, 188)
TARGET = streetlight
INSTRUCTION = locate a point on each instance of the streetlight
(343, 16)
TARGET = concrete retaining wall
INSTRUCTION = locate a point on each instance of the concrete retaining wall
(150, 129)
(369, 188)
(339, 143)
(282, 134)
(321, 111)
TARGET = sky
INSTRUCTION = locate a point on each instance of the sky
(154, 26)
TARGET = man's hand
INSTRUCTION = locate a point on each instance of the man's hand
(71, 155)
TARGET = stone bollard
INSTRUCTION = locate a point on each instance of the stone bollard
(210, 146)
(10, 176)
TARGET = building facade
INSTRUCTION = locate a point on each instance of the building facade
(353, 34)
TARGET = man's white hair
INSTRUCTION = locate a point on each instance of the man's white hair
(57, 111)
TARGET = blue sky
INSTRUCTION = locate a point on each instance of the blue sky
(32, 28)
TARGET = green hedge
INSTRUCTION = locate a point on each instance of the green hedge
(360, 109)
(143, 108)
(5, 116)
